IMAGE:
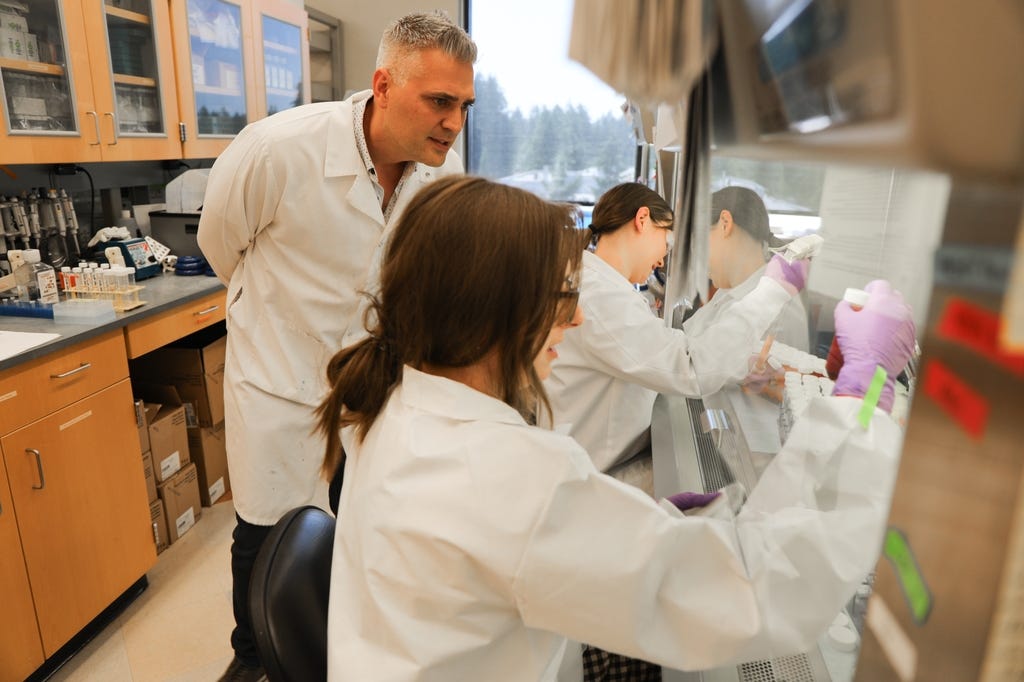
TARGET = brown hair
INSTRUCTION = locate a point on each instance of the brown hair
(618, 206)
(472, 267)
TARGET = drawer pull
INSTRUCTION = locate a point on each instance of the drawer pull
(39, 465)
(207, 311)
(81, 368)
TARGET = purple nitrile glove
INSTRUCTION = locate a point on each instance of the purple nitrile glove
(792, 276)
(684, 501)
(879, 334)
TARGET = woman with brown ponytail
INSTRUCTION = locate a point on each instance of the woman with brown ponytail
(470, 544)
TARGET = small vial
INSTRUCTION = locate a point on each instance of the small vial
(65, 278)
(76, 282)
(110, 284)
(132, 296)
(857, 298)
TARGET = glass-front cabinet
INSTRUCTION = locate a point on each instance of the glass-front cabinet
(247, 59)
(86, 80)
(214, 47)
(282, 39)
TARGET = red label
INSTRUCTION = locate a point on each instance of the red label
(978, 329)
(956, 398)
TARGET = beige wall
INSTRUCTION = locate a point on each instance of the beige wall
(362, 23)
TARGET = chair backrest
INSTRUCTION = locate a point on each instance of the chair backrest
(288, 596)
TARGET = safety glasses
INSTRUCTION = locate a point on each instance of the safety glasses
(567, 302)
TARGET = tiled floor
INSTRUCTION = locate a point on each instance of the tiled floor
(179, 628)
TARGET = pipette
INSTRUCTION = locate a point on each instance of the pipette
(800, 248)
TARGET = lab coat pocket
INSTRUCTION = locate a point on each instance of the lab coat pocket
(284, 360)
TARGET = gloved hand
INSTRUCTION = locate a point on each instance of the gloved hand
(684, 501)
(881, 333)
(792, 276)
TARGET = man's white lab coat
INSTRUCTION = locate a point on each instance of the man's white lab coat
(469, 545)
(292, 225)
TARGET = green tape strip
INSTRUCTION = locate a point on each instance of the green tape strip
(871, 397)
(919, 597)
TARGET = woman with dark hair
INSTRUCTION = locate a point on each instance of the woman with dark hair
(738, 252)
(613, 367)
(470, 544)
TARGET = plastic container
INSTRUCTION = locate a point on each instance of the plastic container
(83, 311)
(37, 281)
(127, 221)
(857, 298)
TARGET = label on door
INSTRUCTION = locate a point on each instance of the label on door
(185, 521)
(170, 464)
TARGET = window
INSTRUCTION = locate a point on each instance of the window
(541, 121)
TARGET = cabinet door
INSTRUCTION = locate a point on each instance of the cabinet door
(47, 109)
(21, 652)
(214, 56)
(133, 78)
(281, 33)
(82, 508)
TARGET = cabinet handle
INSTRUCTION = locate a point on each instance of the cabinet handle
(39, 465)
(113, 126)
(81, 368)
(209, 310)
(95, 122)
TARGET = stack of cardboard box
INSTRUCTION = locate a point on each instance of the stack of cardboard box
(170, 477)
(194, 368)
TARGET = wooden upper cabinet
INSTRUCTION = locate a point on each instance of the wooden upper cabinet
(93, 80)
(213, 48)
(281, 32)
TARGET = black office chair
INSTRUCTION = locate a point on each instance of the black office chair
(288, 595)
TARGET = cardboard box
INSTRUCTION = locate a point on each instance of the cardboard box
(159, 521)
(12, 44)
(168, 436)
(180, 495)
(207, 448)
(194, 365)
(142, 425)
(147, 468)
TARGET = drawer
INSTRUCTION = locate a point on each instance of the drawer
(159, 330)
(37, 388)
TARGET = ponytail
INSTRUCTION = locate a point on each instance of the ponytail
(361, 377)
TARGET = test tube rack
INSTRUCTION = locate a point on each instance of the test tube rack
(123, 300)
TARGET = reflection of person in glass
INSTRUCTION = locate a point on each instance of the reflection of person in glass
(612, 368)
(295, 215)
(737, 255)
(471, 544)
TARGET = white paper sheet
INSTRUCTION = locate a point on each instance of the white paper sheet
(12, 343)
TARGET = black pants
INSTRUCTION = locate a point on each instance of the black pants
(246, 541)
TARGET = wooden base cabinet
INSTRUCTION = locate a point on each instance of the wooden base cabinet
(21, 650)
(74, 524)
(82, 509)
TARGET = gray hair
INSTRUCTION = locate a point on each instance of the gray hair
(423, 31)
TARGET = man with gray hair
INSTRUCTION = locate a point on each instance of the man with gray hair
(295, 217)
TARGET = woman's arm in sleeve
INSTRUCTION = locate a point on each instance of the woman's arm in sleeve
(241, 198)
(607, 566)
(622, 338)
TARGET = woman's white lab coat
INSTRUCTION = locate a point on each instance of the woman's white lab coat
(469, 543)
(611, 368)
(292, 225)
(790, 327)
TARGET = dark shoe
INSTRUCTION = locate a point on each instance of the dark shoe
(240, 672)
